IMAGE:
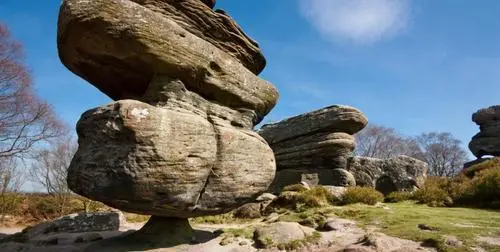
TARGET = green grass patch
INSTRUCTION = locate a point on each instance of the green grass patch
(403, 219)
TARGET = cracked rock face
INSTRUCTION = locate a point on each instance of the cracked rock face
(310, 146)
(487, 141)
(178, 141)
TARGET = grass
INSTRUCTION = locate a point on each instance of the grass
(217, 219)
(136, 218)
(229, 234)
(403, 218)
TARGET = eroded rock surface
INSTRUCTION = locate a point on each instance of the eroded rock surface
(487, 141)
(402, 173)
(177, 142)
(118, 46)
(310, 146)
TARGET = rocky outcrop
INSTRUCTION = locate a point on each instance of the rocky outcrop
(178, 142)
(402, 173)
(309, 146)
(487, 141)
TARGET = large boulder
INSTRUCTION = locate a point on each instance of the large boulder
(177, 142)
(132, 157)
(281, 233)
(309, 147)
(336, 118)
(118, 46)
(487, 141)
(401, 173)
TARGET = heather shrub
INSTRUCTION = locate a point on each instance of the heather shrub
(364, 195)
(394, 197)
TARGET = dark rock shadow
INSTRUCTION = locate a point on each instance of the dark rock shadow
(158, 233)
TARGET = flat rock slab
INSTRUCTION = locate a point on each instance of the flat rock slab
(336, 118)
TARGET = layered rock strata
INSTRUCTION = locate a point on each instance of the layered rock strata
(178, 141)
(487, 141)
(310, 146)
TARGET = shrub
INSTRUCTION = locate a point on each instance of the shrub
(294, 188)
(299, 201)
(394, 197)
(365, 195)
(434, 192)
(485, 165)
(487, 186)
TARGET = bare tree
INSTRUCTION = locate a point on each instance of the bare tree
(383, 142)
(443, 153)
(25, 120)
(51, 169)
(10, 185)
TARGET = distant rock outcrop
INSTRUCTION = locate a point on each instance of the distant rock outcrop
(178, 141)
(487, 141)
(310, 146)
(401, 173)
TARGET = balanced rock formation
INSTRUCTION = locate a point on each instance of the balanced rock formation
(178, 141)
(487, 141)
(401, 173)
(310, 146)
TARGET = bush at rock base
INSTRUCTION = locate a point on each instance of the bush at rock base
(394, 197)
(365, 195)
(477, 186)
(294, 188)
(434, 193)
(484, 165)
(315, 197)
(487, 187)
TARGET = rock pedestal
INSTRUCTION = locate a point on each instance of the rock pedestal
(309, 147)
(178, 141)
(487, 141)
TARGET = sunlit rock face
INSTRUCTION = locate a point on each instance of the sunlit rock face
(178, 140)
(312, 147)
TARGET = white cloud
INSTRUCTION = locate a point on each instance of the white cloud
(358, 21)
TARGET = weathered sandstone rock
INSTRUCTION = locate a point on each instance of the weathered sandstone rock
(309, 147)
(402, 173)
(487, 141)
(156, 161)
(336, 118)
(178, 142)
(118, 46)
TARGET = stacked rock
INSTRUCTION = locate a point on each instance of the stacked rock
(487, 141)
(401, 173)
(178, 141)
(312, 147)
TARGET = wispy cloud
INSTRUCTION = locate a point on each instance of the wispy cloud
(357, 21)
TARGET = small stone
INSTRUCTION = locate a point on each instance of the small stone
(266, 197)
(426, 227)
(248, 211)
(452, 241)
(339, 225)
(243, 243)
(280, 233)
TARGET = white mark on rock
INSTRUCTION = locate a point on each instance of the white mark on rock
(139, 114)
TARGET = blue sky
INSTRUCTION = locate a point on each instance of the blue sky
(417, 66)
